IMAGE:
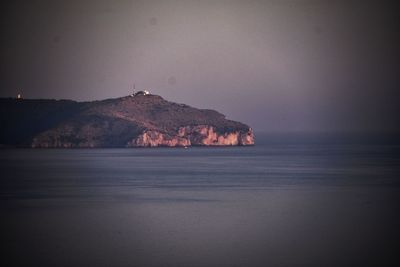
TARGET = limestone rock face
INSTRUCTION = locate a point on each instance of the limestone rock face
(131, 121)
(199, 135)
(206, 135)
(154, 138)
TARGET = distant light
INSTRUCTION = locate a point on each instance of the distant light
(19, 96)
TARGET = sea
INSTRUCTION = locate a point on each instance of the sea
(290, 200)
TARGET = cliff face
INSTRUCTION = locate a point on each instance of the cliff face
(200, 135)
(139, 121)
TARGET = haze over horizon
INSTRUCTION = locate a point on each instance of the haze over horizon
(280, 66)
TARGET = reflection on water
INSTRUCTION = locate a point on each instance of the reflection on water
(290, 200)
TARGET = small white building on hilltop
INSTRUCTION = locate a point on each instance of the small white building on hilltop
(144, 92)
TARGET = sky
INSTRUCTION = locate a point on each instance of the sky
(278, 66)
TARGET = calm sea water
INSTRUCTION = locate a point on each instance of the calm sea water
(291, 200)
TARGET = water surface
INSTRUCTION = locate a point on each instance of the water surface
(291, 200)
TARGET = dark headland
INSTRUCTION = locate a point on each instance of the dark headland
(131, 121)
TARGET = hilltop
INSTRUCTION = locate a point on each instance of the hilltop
(131, 121)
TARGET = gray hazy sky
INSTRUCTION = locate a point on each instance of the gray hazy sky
(275, 65)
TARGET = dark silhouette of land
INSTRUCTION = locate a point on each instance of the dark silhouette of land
(131, 121)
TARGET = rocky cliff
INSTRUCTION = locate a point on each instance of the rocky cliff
(199, 135)
(132, 121)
